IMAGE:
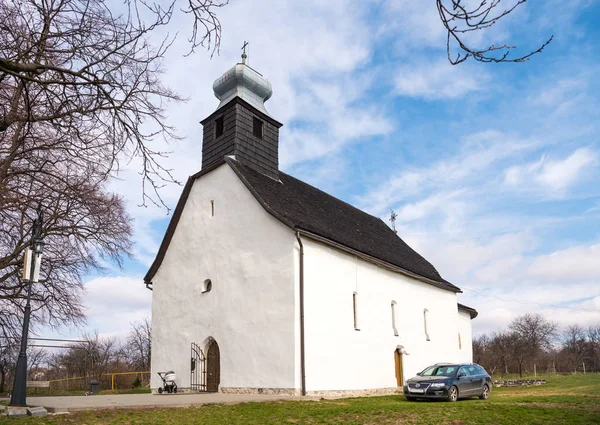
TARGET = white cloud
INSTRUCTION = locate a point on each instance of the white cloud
(427, 206)
(557, 92)
(467, 167)
(115, 302)
(439, 80)
(572, 264)
(554, 175)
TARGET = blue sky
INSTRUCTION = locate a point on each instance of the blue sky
(493, 169)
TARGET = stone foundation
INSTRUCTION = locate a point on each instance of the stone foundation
(268, 391)
(518, 382)
(297, 392)
(322, 393)
(356, 393)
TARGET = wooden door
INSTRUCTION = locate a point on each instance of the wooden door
(398, 362)
(213, 367)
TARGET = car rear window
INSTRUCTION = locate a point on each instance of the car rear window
(447, 370)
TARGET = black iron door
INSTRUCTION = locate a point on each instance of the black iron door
(198, 369)
(213, 367)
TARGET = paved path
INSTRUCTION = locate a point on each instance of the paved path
(129, 401)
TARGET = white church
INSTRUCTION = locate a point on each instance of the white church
(266, 284)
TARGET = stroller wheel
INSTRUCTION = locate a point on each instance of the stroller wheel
(160, 390)
(175, 389)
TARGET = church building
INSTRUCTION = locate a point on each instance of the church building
(266, 284)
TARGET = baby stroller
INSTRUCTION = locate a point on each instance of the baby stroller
(169, 385)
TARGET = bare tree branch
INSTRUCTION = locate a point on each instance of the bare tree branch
(460, 20)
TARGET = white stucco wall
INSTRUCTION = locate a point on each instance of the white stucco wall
(250, 311)
(338, 357)
(466, 336)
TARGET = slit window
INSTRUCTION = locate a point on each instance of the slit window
(257, 128)
(425, 312)
(459, 342)
(212, 208)
(394, 318)
(206, 286)
(219, 127)
(355, 310)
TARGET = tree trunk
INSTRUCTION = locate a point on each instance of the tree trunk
(2, 379)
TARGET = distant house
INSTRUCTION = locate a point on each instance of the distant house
(264, 283)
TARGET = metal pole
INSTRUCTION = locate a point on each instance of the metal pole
(19, 392)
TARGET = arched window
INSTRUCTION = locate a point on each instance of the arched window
(206, 286)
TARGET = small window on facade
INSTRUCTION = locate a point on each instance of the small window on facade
(206, 286)
(212, 208)
(459, 342)
(425, 311)
(355, 309)
(394, 318)
(257, 128)
(219, 127)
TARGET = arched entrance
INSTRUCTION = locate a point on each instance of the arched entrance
(213, 367)
(398, 362)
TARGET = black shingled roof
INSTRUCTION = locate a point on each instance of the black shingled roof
(305, 208)
(302, 206)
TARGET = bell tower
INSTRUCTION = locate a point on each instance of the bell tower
(241, 126)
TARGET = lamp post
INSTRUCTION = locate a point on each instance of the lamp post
(31, 270)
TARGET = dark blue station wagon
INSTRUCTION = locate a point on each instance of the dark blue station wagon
(449, 381)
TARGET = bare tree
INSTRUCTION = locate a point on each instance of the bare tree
(575, 344)
(532, 334)
(88, 359)
(91, 77)
(80, 93)
(139, 343)
(593, 335)
(502, 345)
(8, 356)
(460, 20)
(83, 225)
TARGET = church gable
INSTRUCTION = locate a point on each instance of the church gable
(243, 134)
(214, 203)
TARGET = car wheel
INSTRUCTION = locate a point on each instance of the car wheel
(485, 394)
(409, 398)
(453, 394)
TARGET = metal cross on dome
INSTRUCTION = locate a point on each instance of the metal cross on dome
(244, 55)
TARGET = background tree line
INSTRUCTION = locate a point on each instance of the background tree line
(92, 359)
(532, 343)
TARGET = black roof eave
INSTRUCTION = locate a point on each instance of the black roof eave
(472, 312)
(384, 264)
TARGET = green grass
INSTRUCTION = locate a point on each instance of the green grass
(563, 400)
